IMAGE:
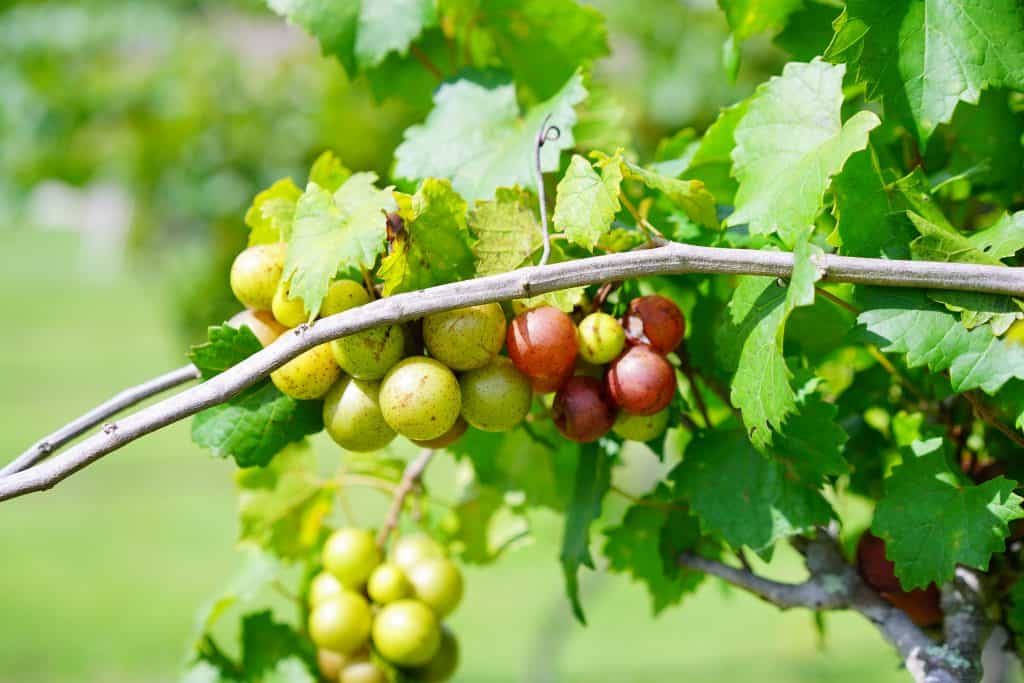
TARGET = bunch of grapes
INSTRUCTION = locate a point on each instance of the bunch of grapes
(371, 618)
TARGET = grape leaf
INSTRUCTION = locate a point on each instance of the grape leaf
(933, 519)
(710, 159)
(334, 233)
(742, 496)
(758, 312)
(866, 219)
(689, 195)
(789, 144)
(226, 347)
(1002, 239)
(270, 216)
(255, 425)
(587, 200)
(360, 33)
(328, 172)
(749, 17)
(635, 547)
(506, 229)
(281, 507)
(593, 477)
(489, 524)
(257, 571)
(811, 441)
(939, 242)
(921, 57)
(907, 322)
(434, 248)
(808, 30)
(978, 308)
(476, 137)
(977, 137)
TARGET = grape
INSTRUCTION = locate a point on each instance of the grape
(655, 321)
(323, 587)
(543, 344)
(360, 668)
(437, 583)
(329, 663)
(406, 633)
(371, 353)
(442, 667)
(388, 583)
(877, 571)
(262, 324)
(410, 550)
(351, 555)
(420, 398)
(343, 295)
(288, 311)
(309, 375)
(641, 381)
(466, 338)
(255, 274)
(921, 605)
(446, 439)
(601, 338)
(641, 427)
(582, 410)
(341, 624)
(352, 416)
(496, 397)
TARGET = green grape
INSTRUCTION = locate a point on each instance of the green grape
(308, 376)
(262, 323)
(406, 633)
(388, 583)
(288, 311)
(466, 338)
(409, 550)
(437, 583)
(351, 555)
(641, 427)
(442, 667)
(601, 338)
(420, 398)
(329, 664)
(496, 397)
(343, 295)
(323, 587)
(371, 353)
(255, 274)
(446, 439)
(361, 668)
(341, 624)
(352, 416)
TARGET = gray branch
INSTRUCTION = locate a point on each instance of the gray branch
(835, 585)
(671, 258)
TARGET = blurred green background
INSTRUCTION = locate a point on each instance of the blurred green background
(132, 137)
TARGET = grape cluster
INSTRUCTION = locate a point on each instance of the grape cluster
(370, 616)
(429, 380)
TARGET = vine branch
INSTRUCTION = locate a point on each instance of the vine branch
(669, 259)
(410, 478)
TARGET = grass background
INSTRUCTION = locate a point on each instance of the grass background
(100, 577)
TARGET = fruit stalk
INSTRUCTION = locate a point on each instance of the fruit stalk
(410, 478)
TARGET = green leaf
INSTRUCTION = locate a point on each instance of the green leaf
(257, 572)
(635, 547)
(749, 17)
(562, 299)
(689, 195)
(335, 233)
(490, 522)
(506, 230)
(476, 137)
(978, 308)
(811, 441)
(868, 224)
(905, 321)
(435, 247)
(360, 33)
(742, 496)
(789, 144)
(933, 519)
(270, 216)
(328, 172)
(593, 477)
(943, 243)
(281, 507)
(587, 200)
(808, 31)
(710, 159)
(227, 346)
(267, 644)
(758, 312)
(1002, 239)
(921, 57)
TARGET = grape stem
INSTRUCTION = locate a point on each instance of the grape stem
(410, 479)
(672, 258)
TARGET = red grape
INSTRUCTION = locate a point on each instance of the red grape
(582, 411)
(877, 571)
(641, 381)
(542, 343)
(654, 321)
(921, 605)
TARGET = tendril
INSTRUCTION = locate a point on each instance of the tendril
(545, 134)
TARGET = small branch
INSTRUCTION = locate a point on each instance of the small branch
(546, 134)
(423, 59)
(691, 377)
(670, 259)
(653, 234)
(842, 303)
(410, 478)
(991, 418)
(122, 401)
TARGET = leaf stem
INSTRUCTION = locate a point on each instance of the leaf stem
(423, 59)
